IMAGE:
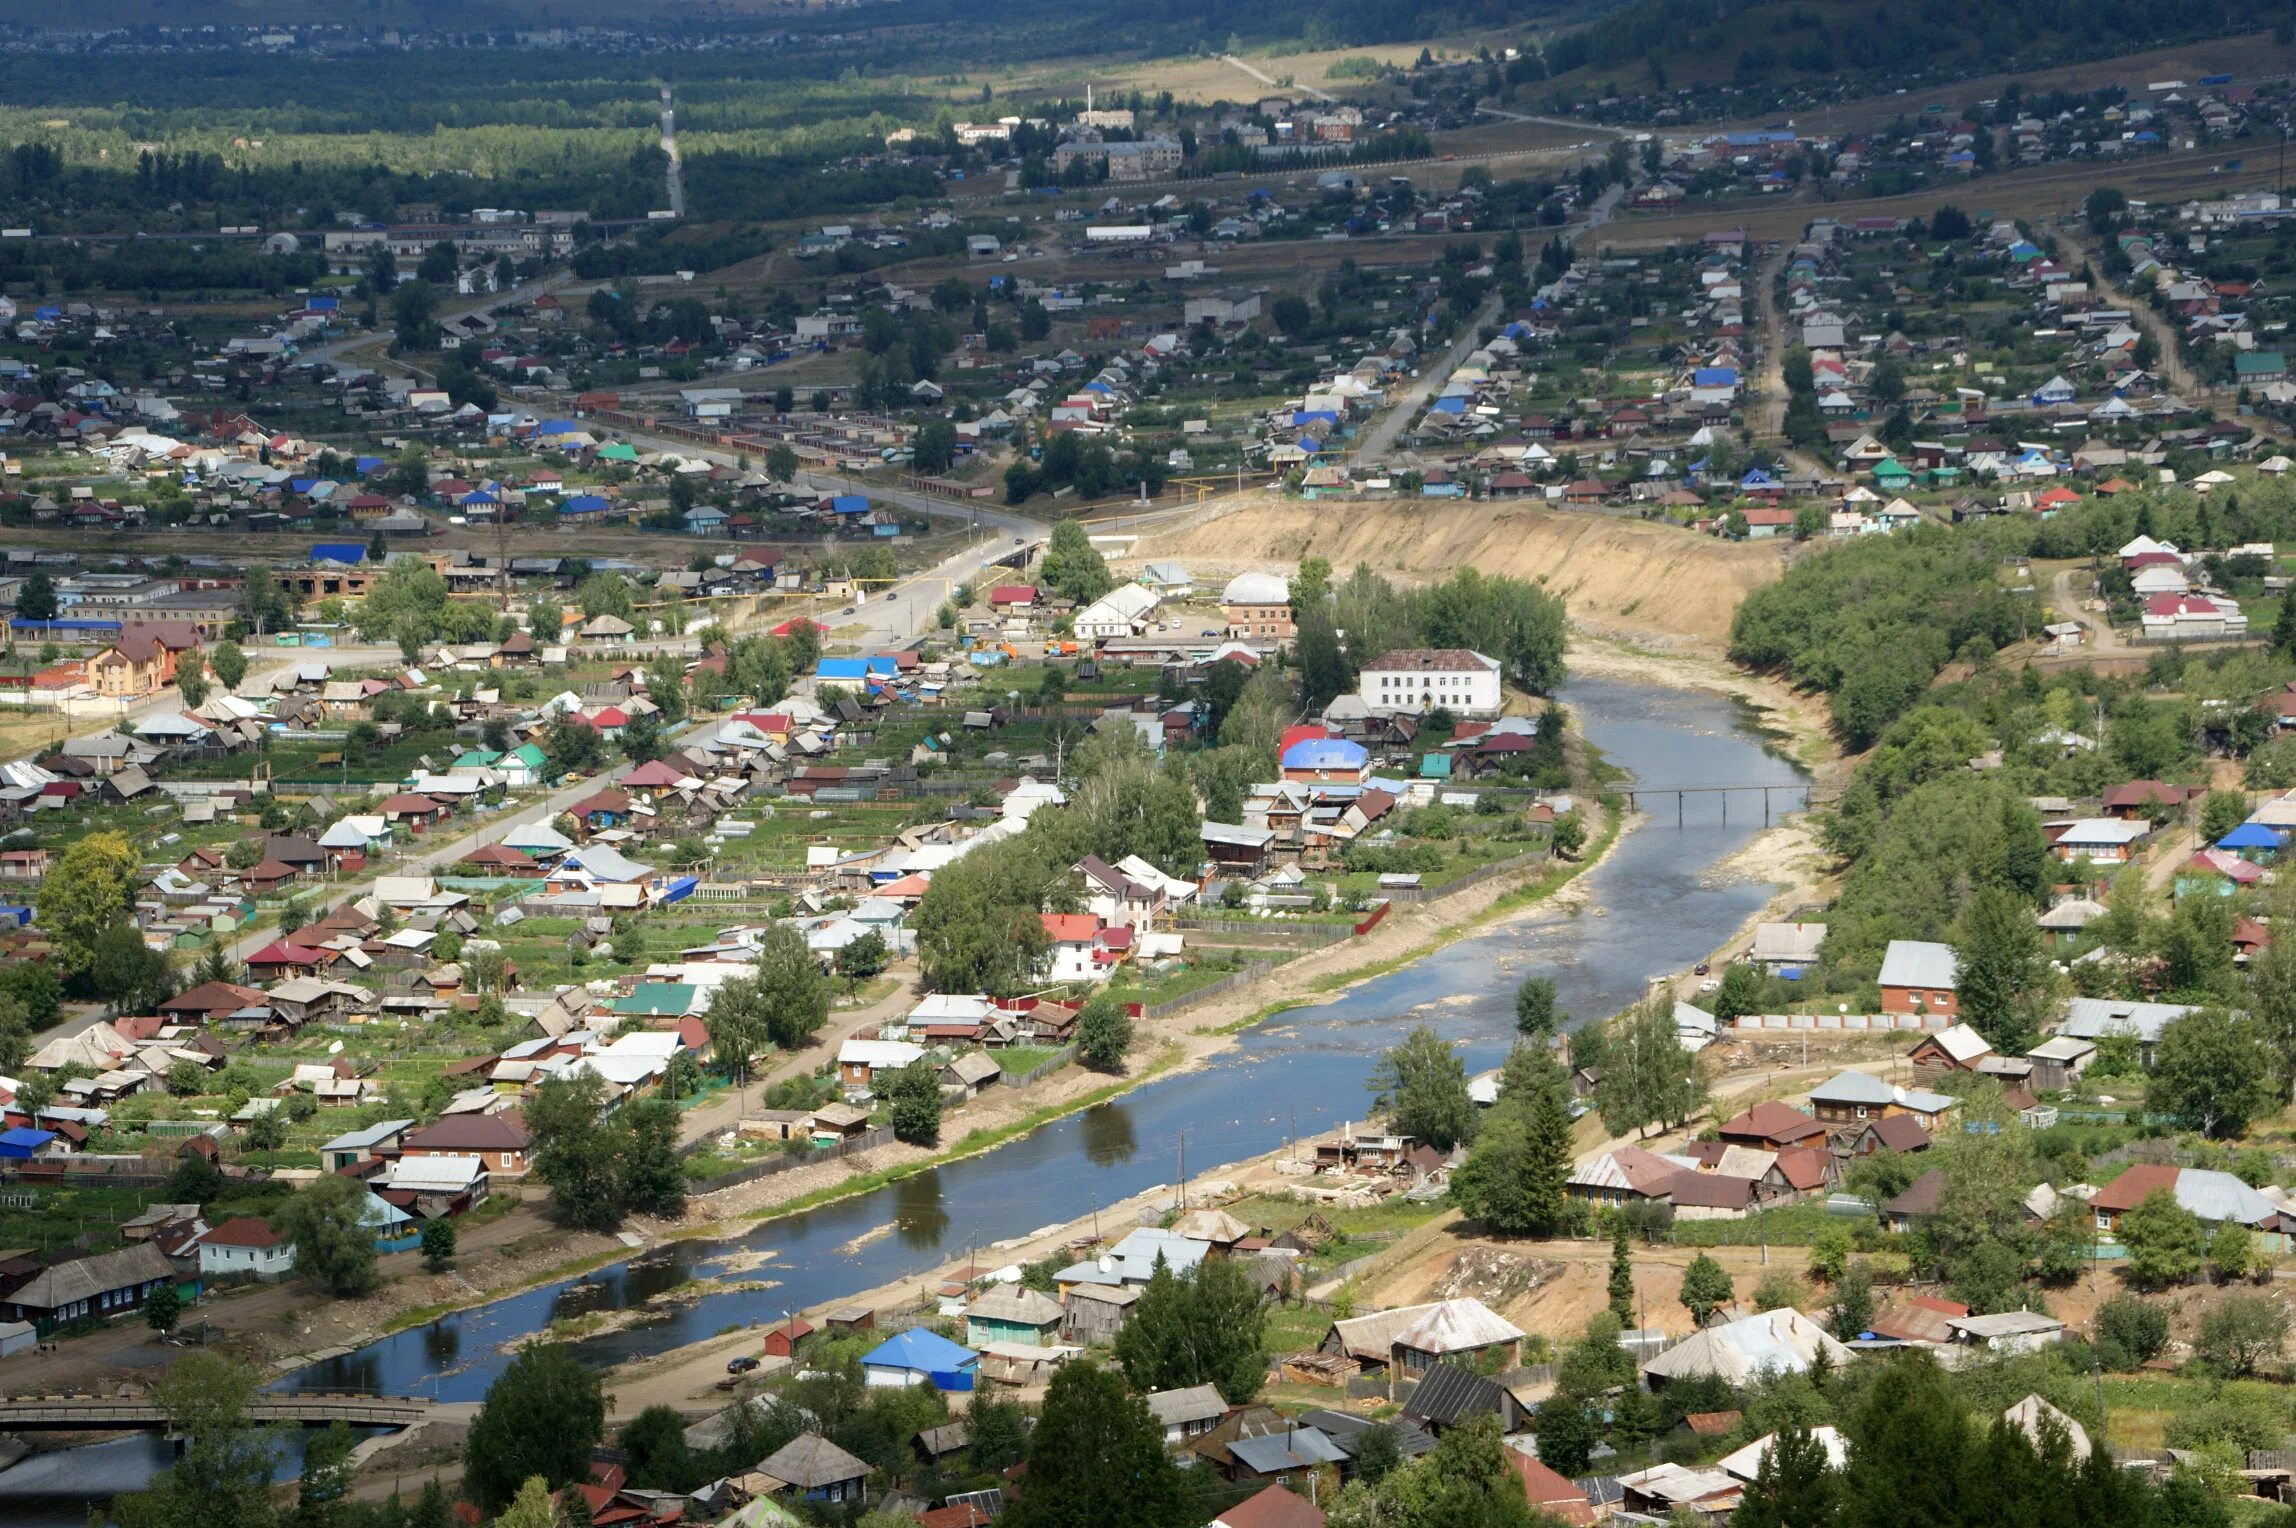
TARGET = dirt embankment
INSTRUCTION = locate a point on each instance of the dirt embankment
(1653, 583)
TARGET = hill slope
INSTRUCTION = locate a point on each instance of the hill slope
(1648, 582)
(1678, 43)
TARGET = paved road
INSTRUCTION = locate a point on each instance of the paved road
(1432, 375)
(905, 611)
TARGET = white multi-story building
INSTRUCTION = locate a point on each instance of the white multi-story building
(1418, 679)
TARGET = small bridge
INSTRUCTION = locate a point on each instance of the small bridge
(1681, 793)
(109, 1413)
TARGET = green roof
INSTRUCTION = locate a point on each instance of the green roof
(2254, 363)
(477, 758)
(1435, 766)
(619, 451)
(529, 754)
(657, 997)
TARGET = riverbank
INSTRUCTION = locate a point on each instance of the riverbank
(1787, 854)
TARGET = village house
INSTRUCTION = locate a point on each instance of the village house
(1918, 976)
(1854, 1097)
(245, 1246)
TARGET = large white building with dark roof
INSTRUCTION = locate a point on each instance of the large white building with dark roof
(1417, 679)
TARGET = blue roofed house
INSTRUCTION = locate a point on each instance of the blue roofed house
(582, 506)
(919, 1357)
(841, 671)
(2252, 841)
(349, 553)
(848, 504)
(1323, 759)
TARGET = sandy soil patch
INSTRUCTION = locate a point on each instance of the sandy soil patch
(1652, 582)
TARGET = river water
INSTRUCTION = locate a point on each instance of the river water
(1297, 1076)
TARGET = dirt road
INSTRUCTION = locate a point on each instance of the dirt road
(2102, 639)
(1771, 381)
(2181, 377)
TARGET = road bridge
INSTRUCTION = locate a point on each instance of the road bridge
(120, 1413)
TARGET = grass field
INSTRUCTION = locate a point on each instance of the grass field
(2041, 191)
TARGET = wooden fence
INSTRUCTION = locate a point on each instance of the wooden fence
(1206, 993)
(1472, 878)
(1044, 1068)
(851, 1146)
(1311, 935)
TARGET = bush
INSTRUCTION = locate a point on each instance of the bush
(2131, 1329)
(1779, 1290)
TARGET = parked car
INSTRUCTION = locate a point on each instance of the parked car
(741, 1365)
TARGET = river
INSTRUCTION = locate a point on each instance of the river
(1295, 1077)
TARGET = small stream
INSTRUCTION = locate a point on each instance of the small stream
(1293, 1078)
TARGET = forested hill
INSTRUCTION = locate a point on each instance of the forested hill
(1686, 42)
(940, 31)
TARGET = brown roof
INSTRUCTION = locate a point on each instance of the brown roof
(1274, 1507)
(1803, 1167)
(1549, 1492)
(1900, 1132)
(1444, 660)
(243, 1231)
(1712, 1424)
(1713, 1191)
(1772, 1123)
(213, 997)
(2135, 1182)
(471, 1132)
(1917, 1318)
(1921, 1197)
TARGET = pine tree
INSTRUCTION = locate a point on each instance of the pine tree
(1621, 1279)
(1705, 1288)
(1795, 1486)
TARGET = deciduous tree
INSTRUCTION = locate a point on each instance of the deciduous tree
(541, 1417)
(334, 1245)
(1097, 1459)
(1421, 1085)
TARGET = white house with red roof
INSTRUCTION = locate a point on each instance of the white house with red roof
(1083, 949)
(245, 1246)
(2187, 617)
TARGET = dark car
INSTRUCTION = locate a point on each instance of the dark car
(741, 1365)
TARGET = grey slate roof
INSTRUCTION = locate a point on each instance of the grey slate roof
(1919, 963)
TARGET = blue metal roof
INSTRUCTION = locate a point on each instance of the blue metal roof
(842, 668)
(556, 427)
(1453, 405)
(919, 1349)
(349, 552)
(583, 504)
(1714, 376)
(2250, 835)
(1325, 753)
(849, 504)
